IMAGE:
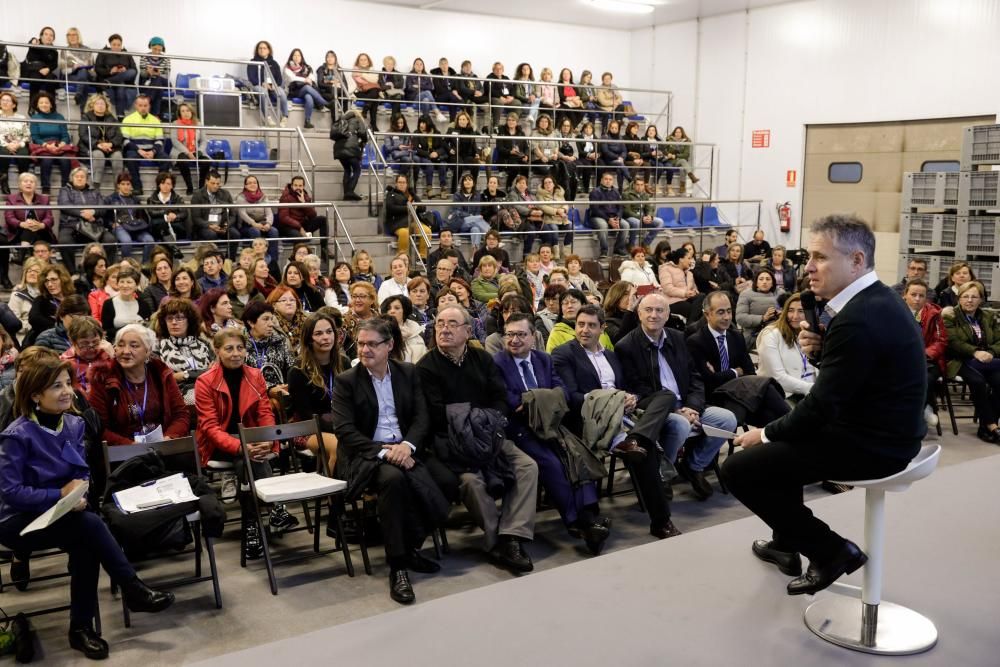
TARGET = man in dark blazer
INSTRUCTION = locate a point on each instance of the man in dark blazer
(381, 421)
(524, 369)
(657, 359)
(863, 418)
(584, 366)
(720, 355)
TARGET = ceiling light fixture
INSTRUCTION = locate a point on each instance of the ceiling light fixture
(622, 6)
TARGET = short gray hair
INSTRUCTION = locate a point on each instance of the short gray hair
(145, 335)
(849, 234)
(461, 309)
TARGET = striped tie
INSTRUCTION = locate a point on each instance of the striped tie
(723, 354)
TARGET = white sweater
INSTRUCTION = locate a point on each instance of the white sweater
(784, 363)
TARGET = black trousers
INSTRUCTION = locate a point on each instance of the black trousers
(984, 387)
(933, 375)
(768, 479)
(646, 473)
(89, 543)
(772, 406)
(403, 526)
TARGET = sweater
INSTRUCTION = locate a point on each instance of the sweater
(45, 132)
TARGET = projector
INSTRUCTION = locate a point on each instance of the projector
(214, 84)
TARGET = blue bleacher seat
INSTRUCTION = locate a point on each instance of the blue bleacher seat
(254, 154)
(221, 146)
(710, 217)
(574, 217)
(688, 216)
(668, 216)
(183, 85)
(368, 158)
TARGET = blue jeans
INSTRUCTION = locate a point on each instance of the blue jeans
(548, 233)
(310, 97)
(272, 233)
(278, 93)
(127, 238)
(475, 224)
(635, 224)
(426, 103)
(430, 167)
(123, 96)
(46, 164)
(156, 93)
(81, 77)
(702, 450)
(601, 226)
(132, 160)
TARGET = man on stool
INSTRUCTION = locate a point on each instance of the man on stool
(863, 418)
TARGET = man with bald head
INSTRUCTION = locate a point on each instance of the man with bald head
(455, 373)
(655, 359)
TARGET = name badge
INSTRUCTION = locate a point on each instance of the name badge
(506, 91)
(214, 218)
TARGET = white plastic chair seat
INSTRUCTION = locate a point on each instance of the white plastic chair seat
(220, 465)
(194, 516)
(297, 486)
(921, 466)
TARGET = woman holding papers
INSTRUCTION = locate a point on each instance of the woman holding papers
(42, 459)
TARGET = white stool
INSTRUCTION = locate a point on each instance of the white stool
(837, 619)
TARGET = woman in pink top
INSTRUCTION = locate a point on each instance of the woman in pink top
(677, 281)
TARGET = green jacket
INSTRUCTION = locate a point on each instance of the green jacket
(564, 333)
(641, 206)
(961, 339)
(484, 290)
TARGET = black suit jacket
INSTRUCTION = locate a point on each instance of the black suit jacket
(634, 352)
(705, 350)
(869, 396)
(579, 377)
(355, 416)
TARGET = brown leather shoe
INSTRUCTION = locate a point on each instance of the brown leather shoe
(630, 451)
(668, 529)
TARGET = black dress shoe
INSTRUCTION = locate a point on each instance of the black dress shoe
(140, 597)
(20, 574)
(788, 562)
(87, 641)
(818, 577)
(666, 530)
(419, 563)
(986, 435)
(400, 589)
(699, 485)
(511, 555)
(630, 451)
(595, 535)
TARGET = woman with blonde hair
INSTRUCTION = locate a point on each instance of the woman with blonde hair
(366, 87)
(27, 289)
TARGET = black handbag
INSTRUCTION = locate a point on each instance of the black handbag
(91, 229)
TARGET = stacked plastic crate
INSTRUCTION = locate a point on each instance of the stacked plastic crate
(955, 216)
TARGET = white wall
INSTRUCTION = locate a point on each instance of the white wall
(829, 61)
(230, 30)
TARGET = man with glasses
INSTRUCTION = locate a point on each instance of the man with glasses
(525, 369)
(443, 272)
(458, 377)
(381, 422)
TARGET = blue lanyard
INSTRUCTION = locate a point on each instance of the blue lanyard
(806, 373)
(329, 386)
(145, 395)
(256, 352)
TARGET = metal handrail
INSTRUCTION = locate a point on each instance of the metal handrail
(415, 220)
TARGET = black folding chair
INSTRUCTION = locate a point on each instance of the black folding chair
(294, 487)
(183, 453)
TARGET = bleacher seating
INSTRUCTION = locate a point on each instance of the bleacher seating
(687, 216)
(254, 154)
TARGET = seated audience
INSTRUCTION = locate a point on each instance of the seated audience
(154, 76)
(57, 338)
(738, 272)
(312, 379)
(26, 224)
(454, 372)
(56, 286)
(51, 144)
(708, 277)
(366, 87)
(101, 141)
(524, 371)
(397, 217)
(264, 74)
(477, 309)
(241, 291)
(297, 278)
(757, 307)
(212, 274)
(297, 221)
(641, 213)
(585, 366)
(563, 332)
(128, 223)
(289, 315)
(135, 394)
(216, 311)
(15, 137)
(180, 345)
(512, 149)
(465, 216)
(619, 308)
(677, 282)
(332, 84)
(382, 423)
(88, 349)
(229, 394)
(973, 347)
(117, 69)
(302, 84)
(678, 159)
(400, 309)
(781, 356)
(43, 459)
(555, 217)
(928, 316)
(604, 216)
(511, 303)
(189, 147)
(916, 269)
(184, 285)
(781, 266)
(959, 274)
(29, 288)
(215, 221)
(491, 246)
(638, 270)
(577, 278)
(484, 285)
(143, 141)
(268, 349)
(159, 284)
(396, 281)
(167, 220)
(757, 250)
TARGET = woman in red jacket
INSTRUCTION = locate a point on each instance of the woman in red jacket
(928, 315)
(135, 392)
(218, 426)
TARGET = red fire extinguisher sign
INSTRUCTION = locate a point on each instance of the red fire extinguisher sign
(785, 216)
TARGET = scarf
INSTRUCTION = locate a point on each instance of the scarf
(253, 197)
(186, 136)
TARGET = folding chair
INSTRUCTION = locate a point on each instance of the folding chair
(181, 451)
(294, 487)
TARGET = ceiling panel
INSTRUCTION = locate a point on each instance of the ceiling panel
(580, 13)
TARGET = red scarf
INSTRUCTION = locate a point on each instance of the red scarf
(185, 136)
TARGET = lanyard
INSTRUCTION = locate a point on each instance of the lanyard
(256, 352)
(145, 395)
(329, 386)
(806, 373)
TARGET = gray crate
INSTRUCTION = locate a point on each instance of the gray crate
(930, 189)
(979, 190)
(934, 266)
(984, 273)
(980, 145)
(927, 232)
(978, 235)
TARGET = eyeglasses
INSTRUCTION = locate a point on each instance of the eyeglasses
(177, 317)
(372, 344)
(285, 300)
(969, 297)
(360, 296)
(450, 325)
(519, 335)
(83, 346)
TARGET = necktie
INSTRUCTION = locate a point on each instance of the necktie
(723, 354)
(529, 375)
(827, 315)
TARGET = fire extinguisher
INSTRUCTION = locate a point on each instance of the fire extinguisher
(785, 216)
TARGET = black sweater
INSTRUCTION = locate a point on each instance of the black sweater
(477, 381)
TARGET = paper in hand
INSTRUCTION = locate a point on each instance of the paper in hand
(63, 507)
(717, 432)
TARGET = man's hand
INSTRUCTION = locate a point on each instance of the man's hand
(215, 228)
(397, 454)
(258, 450)
(691, 415)
(631, 400)
(810, 341)
(749, 439)
(983, 356)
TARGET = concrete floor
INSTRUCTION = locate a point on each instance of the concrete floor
(318, 594)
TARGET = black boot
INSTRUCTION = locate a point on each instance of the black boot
(5, 184)
(83, 638)
(140, 597)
